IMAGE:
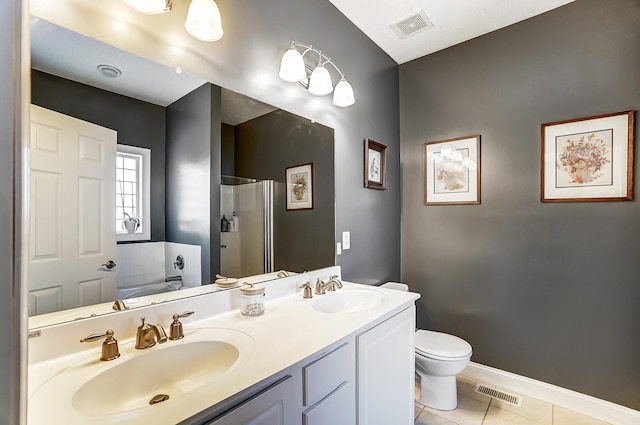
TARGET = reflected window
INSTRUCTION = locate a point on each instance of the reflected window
(132, 193)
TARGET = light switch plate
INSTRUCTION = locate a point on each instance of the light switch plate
(338, 248)
(346, 240)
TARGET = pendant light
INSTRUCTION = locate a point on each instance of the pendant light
(343, 94)
(204, 21)
(292, 65)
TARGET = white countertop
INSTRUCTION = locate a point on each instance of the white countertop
(291, 330)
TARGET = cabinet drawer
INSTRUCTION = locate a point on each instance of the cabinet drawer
(326, 374)
(337, 408)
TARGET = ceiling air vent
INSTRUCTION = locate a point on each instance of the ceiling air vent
(413, 24)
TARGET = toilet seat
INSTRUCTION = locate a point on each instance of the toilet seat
(441, 346)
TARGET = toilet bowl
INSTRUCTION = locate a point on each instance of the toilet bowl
(439, 358)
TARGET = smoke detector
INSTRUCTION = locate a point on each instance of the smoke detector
(412, 25)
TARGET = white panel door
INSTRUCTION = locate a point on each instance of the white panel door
(72, 212)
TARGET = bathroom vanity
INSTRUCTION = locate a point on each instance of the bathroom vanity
(344, 357)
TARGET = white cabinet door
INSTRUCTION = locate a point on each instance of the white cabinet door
(72, 212)
(385, 371)
(271, 407)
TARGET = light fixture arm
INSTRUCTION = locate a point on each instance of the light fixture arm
(322, 58)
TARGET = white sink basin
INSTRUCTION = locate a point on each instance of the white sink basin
(171, 372)
(94, 391)
(349, 300)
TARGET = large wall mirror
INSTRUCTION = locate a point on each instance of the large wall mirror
(194, 133)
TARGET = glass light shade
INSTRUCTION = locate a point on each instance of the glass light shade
(204, 21)
(292, 66)
(320, 81)
(149, 6)
(343, 94)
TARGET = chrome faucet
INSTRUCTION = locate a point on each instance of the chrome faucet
(322, 287)
(147, 335)
(283, 273)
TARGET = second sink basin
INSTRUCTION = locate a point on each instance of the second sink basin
(349, 301)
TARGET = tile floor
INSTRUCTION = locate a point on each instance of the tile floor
(478, 409)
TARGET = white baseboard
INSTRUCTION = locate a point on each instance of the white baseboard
(572, 400)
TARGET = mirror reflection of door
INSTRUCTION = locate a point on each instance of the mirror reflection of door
(72, 213)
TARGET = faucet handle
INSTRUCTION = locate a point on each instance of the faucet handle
(176, 332)
(109, 346)
(319, 287)
(308, 292)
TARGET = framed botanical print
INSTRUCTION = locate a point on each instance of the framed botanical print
(375, 165)
(452, 171)
(299, 182)
(588, 159)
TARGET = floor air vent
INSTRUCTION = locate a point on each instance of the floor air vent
(514, 400)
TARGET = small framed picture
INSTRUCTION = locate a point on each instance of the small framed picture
(588, 159)
(375, 165)
(299, 180)
(452, 171)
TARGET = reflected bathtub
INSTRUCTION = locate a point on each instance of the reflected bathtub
(148, 289)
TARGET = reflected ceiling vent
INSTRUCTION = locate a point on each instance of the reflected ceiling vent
(412, 25)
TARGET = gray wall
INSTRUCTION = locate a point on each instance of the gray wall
(548, 291)
(12, 300)
(264, 148)
(193, 174)
(138, 123)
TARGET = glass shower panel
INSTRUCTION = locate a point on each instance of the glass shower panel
(246, 246)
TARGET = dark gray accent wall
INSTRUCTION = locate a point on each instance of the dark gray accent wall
(548, 291)
(138, 123)
(193, 174)
(13, 375)
(227, 150)
(264, 148)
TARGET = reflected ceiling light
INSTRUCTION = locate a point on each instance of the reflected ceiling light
(204, 21)
(149, 6)
(317, 80)
(203, 17)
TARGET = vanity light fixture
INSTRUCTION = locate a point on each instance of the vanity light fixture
(203, 17)
(149, 6)
(317, 80)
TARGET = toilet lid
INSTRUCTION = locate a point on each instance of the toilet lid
(438, 344)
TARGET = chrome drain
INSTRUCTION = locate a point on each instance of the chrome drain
(159, 398)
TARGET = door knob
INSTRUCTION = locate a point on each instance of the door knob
(109, 264)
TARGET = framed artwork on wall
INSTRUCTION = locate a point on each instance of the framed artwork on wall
(452, 171)
(375, 165)
(588, 159)
(299, 181)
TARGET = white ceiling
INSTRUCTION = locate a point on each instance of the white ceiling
(454, 21)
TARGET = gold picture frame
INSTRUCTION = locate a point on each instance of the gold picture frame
(588, 159)
(452, 171)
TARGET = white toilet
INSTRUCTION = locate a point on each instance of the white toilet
(439, 358)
